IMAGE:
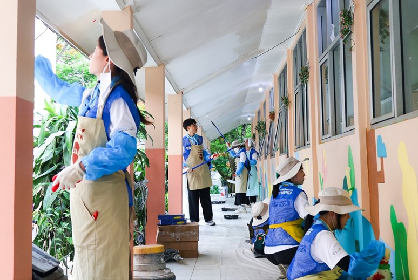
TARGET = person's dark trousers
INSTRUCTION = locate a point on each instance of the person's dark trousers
(252, 198)
(241, 198)
(283, 257)
(204, 196)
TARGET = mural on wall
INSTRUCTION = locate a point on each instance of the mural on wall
(401, 248)
(410, 200)
(358, 232)
(324, 169)
(375, 148)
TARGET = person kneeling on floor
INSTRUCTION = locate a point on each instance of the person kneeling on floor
(320, 255)
(259, 226)
(286, 214)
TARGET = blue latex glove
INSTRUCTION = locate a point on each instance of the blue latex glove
(365, 262)
(253, 162)
(62, 92)
(117, 155)
(239, 168)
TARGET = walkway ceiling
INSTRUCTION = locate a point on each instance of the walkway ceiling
(209, 47)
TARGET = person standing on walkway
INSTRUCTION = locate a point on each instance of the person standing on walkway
(253, 187)
(320, 255)
(199, 179)
(286, 214)
(104, 145)
(241, 175)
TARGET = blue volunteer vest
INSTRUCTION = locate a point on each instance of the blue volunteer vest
(282, 209)
(303, 264)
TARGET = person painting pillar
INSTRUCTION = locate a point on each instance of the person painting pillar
(104, 145)
(199, 179)
(16, 143)
(175, 160)
(253, 187)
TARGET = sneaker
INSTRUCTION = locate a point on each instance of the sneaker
(283, 271)
(210, 223)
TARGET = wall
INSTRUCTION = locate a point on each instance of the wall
(377, 165)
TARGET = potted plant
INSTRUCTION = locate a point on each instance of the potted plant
(346, 23)
(304, 74)
(285, 101)
(261, 128)
(271, 115)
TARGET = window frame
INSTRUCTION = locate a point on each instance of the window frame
(300, 93)
(328, 55)
(395, 38)
(282, 115)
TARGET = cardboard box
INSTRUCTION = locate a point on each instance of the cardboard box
(178, 233)
(187, 249)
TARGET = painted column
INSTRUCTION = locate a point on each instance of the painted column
(313, 91)
(155, 149)
(175, 153)
(361, 110)
(16, 114)
(186, 115)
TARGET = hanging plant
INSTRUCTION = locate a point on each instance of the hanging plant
(261, 128)
(346, 24)
(271, 115)
(383, 27)
(304, 74)
(285, 101)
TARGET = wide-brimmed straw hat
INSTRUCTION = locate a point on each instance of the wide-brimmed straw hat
(260, 212)
(335, 200)
(289, 168)
(237, 143)
(125, 49)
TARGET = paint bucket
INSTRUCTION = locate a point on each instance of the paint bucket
(149, 263)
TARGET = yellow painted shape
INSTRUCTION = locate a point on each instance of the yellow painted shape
(410, 199)
(148, 249)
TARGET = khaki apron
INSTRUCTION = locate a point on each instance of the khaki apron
(102, 249)
(241, 180)
(200, 177)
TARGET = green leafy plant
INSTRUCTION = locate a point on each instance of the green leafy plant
(383, 27)
(304, 74)
(285, 101)
(346, 25)
(214, 189)
(261, 128)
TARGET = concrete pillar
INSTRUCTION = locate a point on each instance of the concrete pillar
(155, 149)
(175, 153)
(16, 114)
(313, 91)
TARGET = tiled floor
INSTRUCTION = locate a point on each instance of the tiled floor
(223, 252)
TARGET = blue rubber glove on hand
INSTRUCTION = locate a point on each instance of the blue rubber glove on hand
(365, 262)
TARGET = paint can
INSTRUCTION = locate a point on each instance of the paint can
(149, 263)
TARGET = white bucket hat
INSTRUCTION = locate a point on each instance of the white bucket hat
(335, 200)
(237, 143)
(260, 210)
(125, 49)
(289, 168)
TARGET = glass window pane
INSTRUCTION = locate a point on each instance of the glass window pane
(297, 119)
(409, 10)
(337, 91)
(322, 26)
(348, 71)
(325, 99)
(335, 10)
(264, 109)
(381, 66)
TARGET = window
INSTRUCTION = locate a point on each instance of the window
(336, 72)
(393, 37)
(280, 138)
(300, 95)
(270, 140)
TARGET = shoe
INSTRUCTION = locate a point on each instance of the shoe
(210, 223)
(283, 271)
(240, 210)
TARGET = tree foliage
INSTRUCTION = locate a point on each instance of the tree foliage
(225, 163)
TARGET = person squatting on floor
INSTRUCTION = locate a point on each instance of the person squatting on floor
(320, 255)
(104, 145)
(199, 179)
(253, 186)
(286, 214)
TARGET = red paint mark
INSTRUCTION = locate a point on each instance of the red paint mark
(95, 215)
